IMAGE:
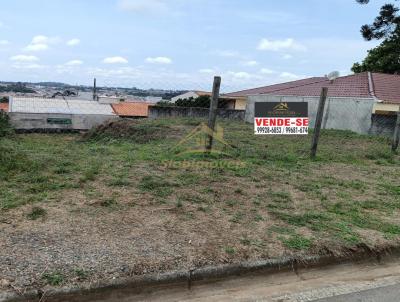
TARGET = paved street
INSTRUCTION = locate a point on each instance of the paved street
(382, 294)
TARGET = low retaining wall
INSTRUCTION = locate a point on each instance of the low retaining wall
(108, 290)
(41, 121)
(161, 111)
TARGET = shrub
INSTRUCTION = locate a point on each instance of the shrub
(202, 102)
(5, 128)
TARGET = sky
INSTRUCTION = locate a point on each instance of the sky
(180, 44)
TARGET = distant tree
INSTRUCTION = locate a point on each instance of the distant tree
(386, 25)
(386, 57)
(18, 87)
(164, 103)
(203, 101)
(5, 128)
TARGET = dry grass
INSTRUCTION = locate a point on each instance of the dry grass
(113, 208)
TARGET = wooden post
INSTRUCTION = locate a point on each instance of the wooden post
(94, 90)
(318, 121)
(212, 117)
(396, 136)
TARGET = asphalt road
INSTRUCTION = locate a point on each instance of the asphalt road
(383, 294)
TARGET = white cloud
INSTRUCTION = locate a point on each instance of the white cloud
(207, 70)
(24, 58)
(41, 42)
(267, 71)
(36, 47)
(279, 45)
(4, 42)
(159, 60)
(28, 66)
(74, 63)
(240, 75)
(287, 57)
(250, 63)
(289, 75)
(115, 60)
(240, 79)
(143, 6)
(73, 42)
(40, 39)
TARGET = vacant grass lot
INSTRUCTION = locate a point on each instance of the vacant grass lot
(110, 204)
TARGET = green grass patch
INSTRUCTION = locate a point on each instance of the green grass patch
(230, 250)
(36, 213)
(156, 185)
(297, 242)
(81, 274)
(54, 279)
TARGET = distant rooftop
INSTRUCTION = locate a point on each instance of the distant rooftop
(4, 107)
(202, 93)
(384, 87)
(42, 105)
(134, 109)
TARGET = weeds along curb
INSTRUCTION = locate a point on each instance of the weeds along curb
(185, 278)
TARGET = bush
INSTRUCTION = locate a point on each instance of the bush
(5, 128)
(202, 102)
(166, 104)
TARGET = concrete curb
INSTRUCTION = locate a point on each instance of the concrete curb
(209, 273)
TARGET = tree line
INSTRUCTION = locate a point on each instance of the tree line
(384, 58)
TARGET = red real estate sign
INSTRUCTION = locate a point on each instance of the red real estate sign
(274, 118)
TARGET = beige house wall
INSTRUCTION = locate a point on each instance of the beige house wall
(381, 108)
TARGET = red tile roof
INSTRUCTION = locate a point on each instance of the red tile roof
(4, 107)
(385, 87)
(140, 109)
(349, 86)
(276, 87)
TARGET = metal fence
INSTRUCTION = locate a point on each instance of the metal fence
(354, 120)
